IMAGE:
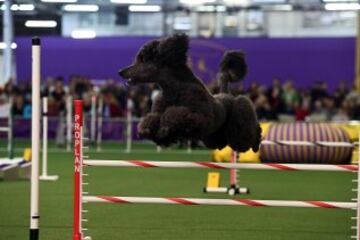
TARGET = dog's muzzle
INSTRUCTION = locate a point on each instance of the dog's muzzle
(122, 73)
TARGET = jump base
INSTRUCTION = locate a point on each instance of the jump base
(229, 190)
(49, 178)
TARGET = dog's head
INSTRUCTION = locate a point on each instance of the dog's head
(154, 57)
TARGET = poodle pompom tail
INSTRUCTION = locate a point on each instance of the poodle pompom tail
(233, 66)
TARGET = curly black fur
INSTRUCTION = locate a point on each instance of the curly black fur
(185, 110)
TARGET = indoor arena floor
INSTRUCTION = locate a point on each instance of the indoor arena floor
(156, 222)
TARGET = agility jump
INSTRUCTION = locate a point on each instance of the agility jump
(81, 197)
(6, 112)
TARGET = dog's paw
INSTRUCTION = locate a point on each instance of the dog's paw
(163, 132)
(144, 133)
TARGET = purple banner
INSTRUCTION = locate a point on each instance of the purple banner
(301, 60)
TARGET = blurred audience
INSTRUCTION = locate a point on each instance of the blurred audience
(278, 100)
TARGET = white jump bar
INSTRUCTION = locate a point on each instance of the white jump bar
(257, 166)
(222, 202)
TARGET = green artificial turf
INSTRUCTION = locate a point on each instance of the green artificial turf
(137, 222)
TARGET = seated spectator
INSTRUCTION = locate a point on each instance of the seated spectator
(27, 111)
(318, 114)
(342, 113)
(18, 105)
(318, 91)
(274, 95)
(301, 111)
(263, 108)
(329, 107)
(253, 91)
(289, 97)
(353, 95)
(340, 93)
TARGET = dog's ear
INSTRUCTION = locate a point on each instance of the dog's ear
(173, 50)
(148, 52)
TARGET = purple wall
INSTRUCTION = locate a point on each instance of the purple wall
(302, 60)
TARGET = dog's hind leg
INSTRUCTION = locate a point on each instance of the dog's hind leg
(243, 130)
(216, 140)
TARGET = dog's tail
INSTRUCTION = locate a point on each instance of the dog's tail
(233, 68)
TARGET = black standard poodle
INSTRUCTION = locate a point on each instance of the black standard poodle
(185, 109)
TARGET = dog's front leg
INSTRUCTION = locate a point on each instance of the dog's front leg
(180, 123)
(149, 125)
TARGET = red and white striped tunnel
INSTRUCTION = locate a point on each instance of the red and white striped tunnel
(228, 202)
(257, 166)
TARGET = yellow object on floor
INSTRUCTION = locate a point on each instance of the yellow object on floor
(27, 154)
(225, 154)
(213, 180)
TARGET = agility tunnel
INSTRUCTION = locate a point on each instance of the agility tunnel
(301, 142)
(311, 153)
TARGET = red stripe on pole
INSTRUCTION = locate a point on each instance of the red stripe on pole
(142, 164)
(321, 204)
(348, 167)
(233, 170)
(78, 118)
(182, 201)
(250, 202)
(209, 165)
(279, 166)
(113, 199)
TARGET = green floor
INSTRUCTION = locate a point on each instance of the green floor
(137, 222)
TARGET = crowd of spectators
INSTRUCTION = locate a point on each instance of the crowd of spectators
(280, 101)
(284, 101)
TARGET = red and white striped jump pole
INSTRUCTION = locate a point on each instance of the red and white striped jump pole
(234, 175)
(234, 187)
(256, 166)
(78, 163)
(222, 202)
(233, 171)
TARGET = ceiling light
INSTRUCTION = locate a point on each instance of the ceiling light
(198, 2)
(334, 1)
(40, 23)
(182, 26)
(280, 7)
(268, 1)
(236, 2)
(206, 8)
(144, 8)
(129, 1)
(26, 7)
(81, 8)
(59, 1)
(83, 34)
(342, 6)
(220, 8)
(3, 45)
(19, 7)
(211, 8)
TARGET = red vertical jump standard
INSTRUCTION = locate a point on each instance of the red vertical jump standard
(78, 123)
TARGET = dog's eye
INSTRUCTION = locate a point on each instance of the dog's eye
(141, 58)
